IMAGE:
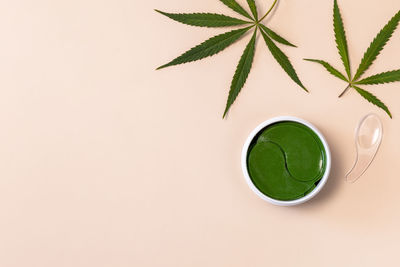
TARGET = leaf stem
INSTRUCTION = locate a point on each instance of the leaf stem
(269, 11)
(345, 90)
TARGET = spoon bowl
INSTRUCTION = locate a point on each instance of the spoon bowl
(369, 132)
(368, 139)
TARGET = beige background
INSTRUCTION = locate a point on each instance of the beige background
(106, 162)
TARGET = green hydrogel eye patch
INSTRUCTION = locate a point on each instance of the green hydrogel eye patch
(286, 160)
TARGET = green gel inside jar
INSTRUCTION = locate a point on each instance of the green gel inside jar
(286, 160)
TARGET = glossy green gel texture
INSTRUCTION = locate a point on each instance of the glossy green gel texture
(286, 160)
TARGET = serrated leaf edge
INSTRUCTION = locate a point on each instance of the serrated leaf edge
(340, 38)
(329, 68)
(224, 19)
(176, 61)
(280, 56)
(373, 99)
(276, 37)
(248, 54)
(381, 78)
(377, 45)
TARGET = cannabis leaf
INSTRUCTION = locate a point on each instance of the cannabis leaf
(242, 71)
(275, 36)
(218, 43)
(329, 68)
(371, 98)
(340, 38)
(253, 8)
(205, 19)
(368, 59)
(232, 4)
(208, 48)
(385, 77)
(282, 60)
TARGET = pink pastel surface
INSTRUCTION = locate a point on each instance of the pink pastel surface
(107, 162)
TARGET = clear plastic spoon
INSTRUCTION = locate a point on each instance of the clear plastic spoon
(368, 138)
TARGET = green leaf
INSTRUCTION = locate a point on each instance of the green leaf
(204, 19)
(283, 60)
(253, 8)
(241, 73)
(340, 38)
(329, 68)
(275, 36)
(232, 4)
(373, 99)
(385, 77)
(377, 45)
(208, 48)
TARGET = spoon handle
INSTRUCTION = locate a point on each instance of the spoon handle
(363, 160)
